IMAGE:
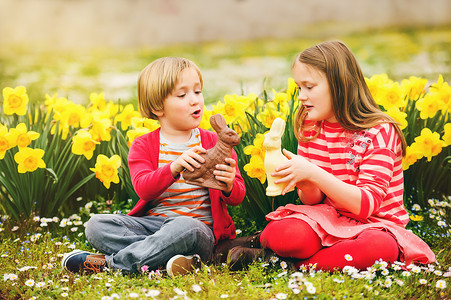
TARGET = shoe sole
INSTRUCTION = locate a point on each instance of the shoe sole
(183, 265)
(67, 256)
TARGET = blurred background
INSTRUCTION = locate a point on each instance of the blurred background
(75, 47)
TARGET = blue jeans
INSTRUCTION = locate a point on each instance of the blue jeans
(132, 242)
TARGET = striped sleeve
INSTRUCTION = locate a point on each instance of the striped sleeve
(376, 172)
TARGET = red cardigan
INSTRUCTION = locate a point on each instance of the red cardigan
(150, 181)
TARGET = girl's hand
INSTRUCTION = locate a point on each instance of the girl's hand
(292, 172)
(189, 160)
(226, 173)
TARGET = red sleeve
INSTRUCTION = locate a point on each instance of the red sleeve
(148, 180)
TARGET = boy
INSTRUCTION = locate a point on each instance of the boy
(173, 223)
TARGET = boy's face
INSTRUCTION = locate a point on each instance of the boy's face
(183, 108)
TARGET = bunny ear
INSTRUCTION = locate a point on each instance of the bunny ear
(218, 122)
(278, 126)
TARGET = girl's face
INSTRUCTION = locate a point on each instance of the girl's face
(183, 108)
(314, 92)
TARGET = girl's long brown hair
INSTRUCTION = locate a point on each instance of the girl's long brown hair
(354, 107)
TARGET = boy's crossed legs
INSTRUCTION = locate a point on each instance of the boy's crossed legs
(132, 242)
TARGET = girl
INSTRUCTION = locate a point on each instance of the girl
(348, 172)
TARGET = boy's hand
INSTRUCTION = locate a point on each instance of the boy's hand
(226, 173)
(189, 160)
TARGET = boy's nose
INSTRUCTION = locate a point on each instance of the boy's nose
(194, 99)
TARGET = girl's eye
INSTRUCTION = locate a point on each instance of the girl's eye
(198, 92)
(181, 96)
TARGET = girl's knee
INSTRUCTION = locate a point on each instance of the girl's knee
(290, 238)
(380, 244)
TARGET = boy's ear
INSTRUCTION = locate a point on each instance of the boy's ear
(158, 113)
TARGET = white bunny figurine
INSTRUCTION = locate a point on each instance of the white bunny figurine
(274, 157)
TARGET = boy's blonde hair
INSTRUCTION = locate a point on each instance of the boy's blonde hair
(352, 103)
(158, 80)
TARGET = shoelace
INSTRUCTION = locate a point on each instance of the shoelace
(94, 265)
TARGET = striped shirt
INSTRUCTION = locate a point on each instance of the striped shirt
(370, 159)
(181, 199)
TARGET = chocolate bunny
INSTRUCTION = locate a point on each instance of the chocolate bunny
(227, 139)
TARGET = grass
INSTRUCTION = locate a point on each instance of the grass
(31, 252)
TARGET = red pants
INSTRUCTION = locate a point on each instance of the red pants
(294, 238)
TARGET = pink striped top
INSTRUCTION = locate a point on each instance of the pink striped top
(371, 159)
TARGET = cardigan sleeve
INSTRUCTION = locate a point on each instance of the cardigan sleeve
(148, 180)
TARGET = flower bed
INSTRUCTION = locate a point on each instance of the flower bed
(60, 162)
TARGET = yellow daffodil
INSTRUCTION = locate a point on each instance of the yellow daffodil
(58, 105)
(292, 88)
(144, 122)
(100, 129)
(15, 100)
(98, 101)
(106, 169)
(429, 105)
(73, 115)
(253, 102)
(429, 143)
(126, 116)
(377, 85)
(132, 134)
(256, 169)
(398, 116)
(270, 113)
(256, 149)
(62, 110)
(413, 154)
(280, 98)
(205, 122)
(21, 137)
(4, 141)
(29, 160)
(442, 92)
(447, 134)
(232, 108)
(393, 96)
(112, 109)
(83, 144)
(414, 87)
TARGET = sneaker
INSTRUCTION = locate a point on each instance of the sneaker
(181, 264)
(78, 261)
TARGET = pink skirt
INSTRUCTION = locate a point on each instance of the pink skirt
(332, 227)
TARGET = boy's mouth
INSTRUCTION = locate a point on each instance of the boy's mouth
(197, 113)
